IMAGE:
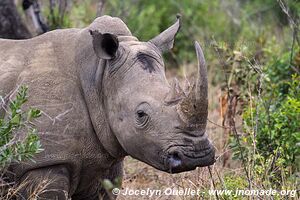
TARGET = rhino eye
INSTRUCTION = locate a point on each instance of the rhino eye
(141, 113)
(142, 118)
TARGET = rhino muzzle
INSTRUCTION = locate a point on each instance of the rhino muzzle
(180, 161)
(192, 109)
(196, 152)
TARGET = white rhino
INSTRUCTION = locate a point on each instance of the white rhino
(104, 95)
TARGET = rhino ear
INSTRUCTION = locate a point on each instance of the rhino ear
(165, 40)
(105, 45)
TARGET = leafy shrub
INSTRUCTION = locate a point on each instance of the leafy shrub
(271, 120)
(13, 147)
(278, 124)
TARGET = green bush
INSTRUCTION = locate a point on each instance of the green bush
(270, 143)
(13, 146)
(278, 123)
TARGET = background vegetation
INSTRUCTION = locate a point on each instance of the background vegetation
(253, 55)
(14, 146)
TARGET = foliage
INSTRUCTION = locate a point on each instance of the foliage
(200, 19)
(57, 19)
(278, 123)
(14, 146)
(271, 120)
(109, 185)
(232, 23)
(82, 13)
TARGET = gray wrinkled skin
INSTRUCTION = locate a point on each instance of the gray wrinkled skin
(104, 95)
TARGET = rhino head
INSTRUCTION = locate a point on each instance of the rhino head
(153, 121)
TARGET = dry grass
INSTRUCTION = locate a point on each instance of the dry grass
(14, 191)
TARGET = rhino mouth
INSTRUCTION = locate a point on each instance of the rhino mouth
(182, 159)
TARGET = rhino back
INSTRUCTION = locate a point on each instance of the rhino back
(37, 54)
(46, 65)
(11, 64)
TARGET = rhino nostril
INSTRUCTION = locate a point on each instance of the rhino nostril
(174, 161)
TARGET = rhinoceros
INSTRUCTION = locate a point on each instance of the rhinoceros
(104, 95)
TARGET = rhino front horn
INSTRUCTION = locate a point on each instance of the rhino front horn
(193, 109)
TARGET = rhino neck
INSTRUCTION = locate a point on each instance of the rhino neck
(90, 70)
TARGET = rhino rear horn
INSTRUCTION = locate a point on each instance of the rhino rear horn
(175, 94)
(165, 40)
(105, 45)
